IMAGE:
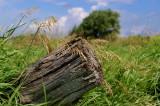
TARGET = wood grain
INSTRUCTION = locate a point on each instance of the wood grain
(66, 73)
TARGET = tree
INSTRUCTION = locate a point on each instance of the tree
(73, 30)
(100, 24)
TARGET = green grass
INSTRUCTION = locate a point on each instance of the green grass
(134, 79)
(131, 67)
(131, 70)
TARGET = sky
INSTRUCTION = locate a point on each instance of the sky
(137, 16)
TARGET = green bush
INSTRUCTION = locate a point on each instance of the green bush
(99, 24)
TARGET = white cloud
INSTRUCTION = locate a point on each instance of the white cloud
(33, 27)
(104, 3)
(99, 5)
(157, 32)
(62, 21)
(123, 32)
(135, 30)
(78, 13)
(65, 23)
(144, 30)
(127, 20)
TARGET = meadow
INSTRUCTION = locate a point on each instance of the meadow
(131, 66)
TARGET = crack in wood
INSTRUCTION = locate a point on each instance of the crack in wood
(67, 73)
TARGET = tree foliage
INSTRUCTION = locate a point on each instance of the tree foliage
(73, 30)
(99, 24)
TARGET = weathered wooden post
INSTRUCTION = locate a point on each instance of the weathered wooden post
(63, 76)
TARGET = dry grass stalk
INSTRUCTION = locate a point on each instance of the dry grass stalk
(108, 87)
(99, 42)
(41, 28)
(76, 51)
(123, 87)
(46, 43)
(30, 11)
(114, 56)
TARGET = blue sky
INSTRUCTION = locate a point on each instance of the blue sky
(137, 16)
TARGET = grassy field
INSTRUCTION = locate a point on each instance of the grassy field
(131, 67)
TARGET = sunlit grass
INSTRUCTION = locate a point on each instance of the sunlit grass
(131, 66)
(17, 53)
(132, 71)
